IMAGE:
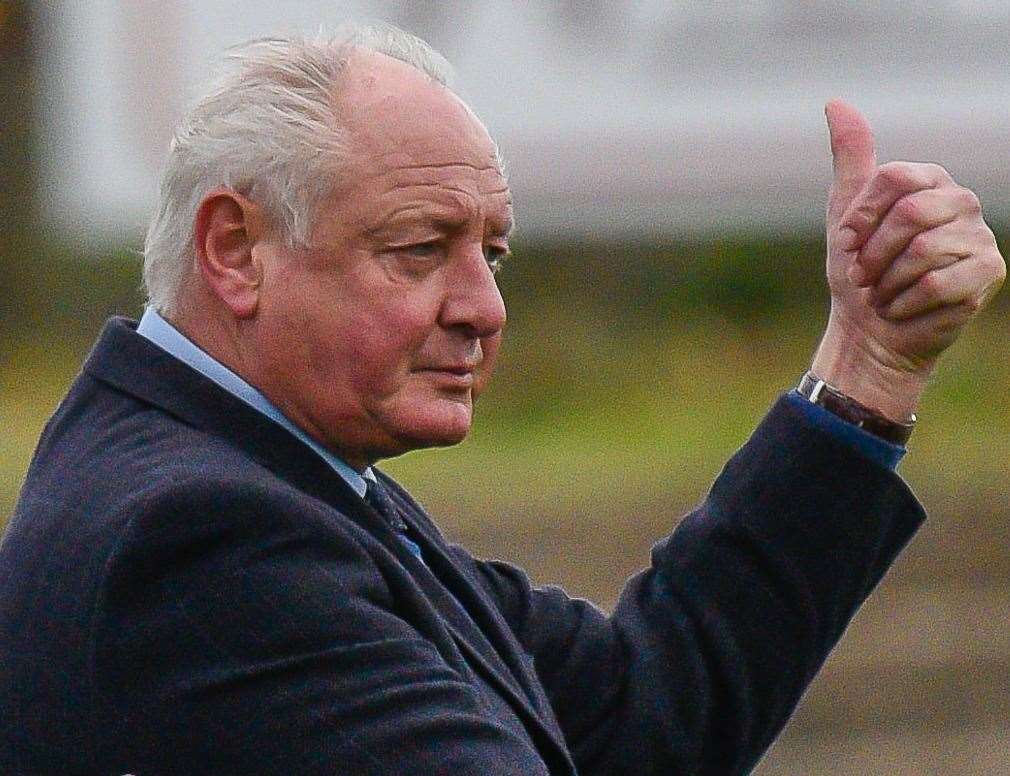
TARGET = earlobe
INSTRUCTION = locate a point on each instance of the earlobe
(225, 232)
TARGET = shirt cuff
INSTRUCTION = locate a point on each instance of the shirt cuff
(873, 447)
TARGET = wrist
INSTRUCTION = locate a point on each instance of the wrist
(851, 368)
(818, 392)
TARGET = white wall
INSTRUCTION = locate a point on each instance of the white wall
(614, 116)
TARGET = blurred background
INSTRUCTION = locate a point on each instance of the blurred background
(669, 163)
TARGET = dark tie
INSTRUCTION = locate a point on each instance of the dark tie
(379, 500)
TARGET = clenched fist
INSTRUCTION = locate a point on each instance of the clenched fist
(910, 262)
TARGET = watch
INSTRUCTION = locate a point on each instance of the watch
(816, 391)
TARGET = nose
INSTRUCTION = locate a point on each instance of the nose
(473, 302)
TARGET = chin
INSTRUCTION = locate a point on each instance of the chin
(444, 424)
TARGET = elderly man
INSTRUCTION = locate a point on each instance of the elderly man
(206, 574)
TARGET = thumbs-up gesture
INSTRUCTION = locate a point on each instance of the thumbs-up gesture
(910, 262)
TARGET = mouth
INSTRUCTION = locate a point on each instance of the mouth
(452, 375)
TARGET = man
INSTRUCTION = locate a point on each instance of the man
(205, 573)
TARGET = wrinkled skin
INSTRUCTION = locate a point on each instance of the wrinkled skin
(377, 338)
(910, 262)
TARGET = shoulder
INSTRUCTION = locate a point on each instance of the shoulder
(104, 457)
(115, 479)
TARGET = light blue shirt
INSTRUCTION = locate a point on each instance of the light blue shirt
(873, 447)
(172, 341)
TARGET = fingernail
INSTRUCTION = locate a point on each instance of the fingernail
(847, 238)
(857, 274)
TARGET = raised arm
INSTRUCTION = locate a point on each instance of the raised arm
(710, 649)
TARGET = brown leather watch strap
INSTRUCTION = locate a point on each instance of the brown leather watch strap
(816, 391)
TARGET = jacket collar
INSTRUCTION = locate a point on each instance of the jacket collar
(134, 365)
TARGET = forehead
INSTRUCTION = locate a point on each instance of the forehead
(408, 131)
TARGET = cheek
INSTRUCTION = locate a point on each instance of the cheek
(490, 347)
(373, 351)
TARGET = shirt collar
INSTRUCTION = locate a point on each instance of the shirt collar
(163, 334)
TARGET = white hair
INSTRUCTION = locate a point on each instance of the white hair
(269, 129)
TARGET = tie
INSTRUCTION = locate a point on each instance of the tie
(379, 500)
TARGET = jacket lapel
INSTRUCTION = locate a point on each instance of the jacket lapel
(469, 638)
(479, 635)
(484, 635)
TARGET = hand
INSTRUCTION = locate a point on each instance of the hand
(910, 262)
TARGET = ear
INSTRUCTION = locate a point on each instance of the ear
(226, 227)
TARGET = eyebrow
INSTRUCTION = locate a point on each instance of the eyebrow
(447, 217)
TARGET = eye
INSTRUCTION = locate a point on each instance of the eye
(417, 259)
(495, 256)
(422, 250)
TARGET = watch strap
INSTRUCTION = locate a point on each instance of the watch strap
(818, 392)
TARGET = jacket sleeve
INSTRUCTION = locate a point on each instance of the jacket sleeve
(234, 635)
(709, 650)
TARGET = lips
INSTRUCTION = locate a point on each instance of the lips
(458, 368)
(456, 375)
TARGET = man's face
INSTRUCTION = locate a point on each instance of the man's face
(378, 337)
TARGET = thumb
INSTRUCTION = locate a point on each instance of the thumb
(852, 153)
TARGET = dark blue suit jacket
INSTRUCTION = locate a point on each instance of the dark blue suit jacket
(187, 588)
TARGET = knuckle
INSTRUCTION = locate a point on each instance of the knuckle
(988, 238)
(893, 173)
(919, 247)
(954, 318)
(862, 216)
(968, 201)
(931, 284)
(908, 210)
(936, 172)
(998, 267)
